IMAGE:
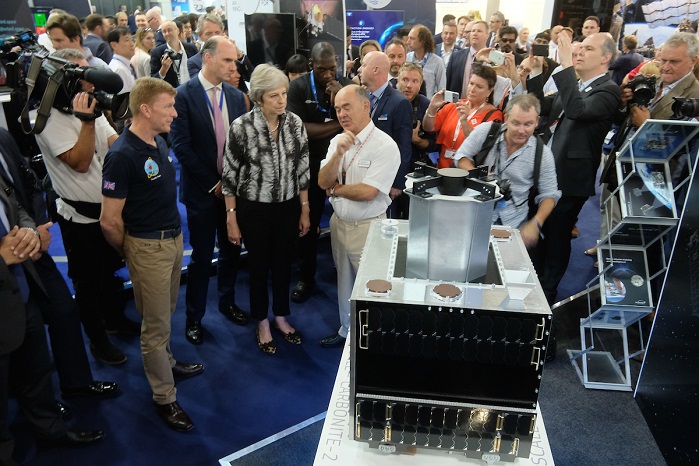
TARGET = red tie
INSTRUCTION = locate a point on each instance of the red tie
(219, 129)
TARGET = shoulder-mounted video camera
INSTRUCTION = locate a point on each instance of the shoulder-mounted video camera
(42, 81)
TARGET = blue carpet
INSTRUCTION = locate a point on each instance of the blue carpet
(243, 396)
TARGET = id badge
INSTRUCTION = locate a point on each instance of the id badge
(500, 204)
(450, 154)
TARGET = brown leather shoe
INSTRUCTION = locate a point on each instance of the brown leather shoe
(174, 417)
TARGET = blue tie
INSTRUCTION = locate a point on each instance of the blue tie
(372, 103)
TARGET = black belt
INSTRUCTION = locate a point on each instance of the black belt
(160, 234)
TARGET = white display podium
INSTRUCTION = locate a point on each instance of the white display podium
(336, 447)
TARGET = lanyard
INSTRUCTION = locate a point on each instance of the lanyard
(424, 60)
(344, 172)
(458, 125)
(220, 101)
(315, 94)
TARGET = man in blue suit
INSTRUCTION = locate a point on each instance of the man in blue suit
(199, 148)
(95, 39)
(392, 113)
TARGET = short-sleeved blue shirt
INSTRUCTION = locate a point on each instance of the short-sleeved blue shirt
(145, 176)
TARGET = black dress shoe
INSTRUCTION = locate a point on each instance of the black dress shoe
(301, 292)
(235, 315)
(108, 354)
(124, 327)
(64, 410)
(174, 417)
(194, 332)
(72, 438)
(333, 341)
(185, 369)
(94, 390)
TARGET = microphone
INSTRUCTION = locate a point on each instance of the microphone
(105, 80)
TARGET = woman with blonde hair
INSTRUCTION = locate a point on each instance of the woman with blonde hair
(145, 42)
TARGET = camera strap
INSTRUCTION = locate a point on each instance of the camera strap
(46, 100)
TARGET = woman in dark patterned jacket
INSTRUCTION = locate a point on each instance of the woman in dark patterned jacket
(265, 182)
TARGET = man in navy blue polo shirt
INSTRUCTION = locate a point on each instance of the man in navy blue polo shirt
(141, 221)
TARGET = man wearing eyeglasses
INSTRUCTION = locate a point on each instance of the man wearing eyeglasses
(311, 97)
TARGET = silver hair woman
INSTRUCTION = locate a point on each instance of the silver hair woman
(265, 182)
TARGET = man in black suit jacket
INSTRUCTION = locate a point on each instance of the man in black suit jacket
(580, 115)
(59, 311)
(162, 66)
(391, 113)
(195, 145)
(24, 359)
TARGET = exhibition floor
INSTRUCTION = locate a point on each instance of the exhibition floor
(246, 398)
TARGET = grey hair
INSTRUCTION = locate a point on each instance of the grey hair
(66, 54)
(524, 101)
(687, 38)
(210, 18)
(500, 16)
(69, 54)
(359, 91)
(211, 45)
(264, 79)
(608, 46)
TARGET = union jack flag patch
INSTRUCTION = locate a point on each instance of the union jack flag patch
(109, 185)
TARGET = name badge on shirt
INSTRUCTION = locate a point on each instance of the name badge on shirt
(383, 117)
(364, 163)
(500, 204)
(449, 154)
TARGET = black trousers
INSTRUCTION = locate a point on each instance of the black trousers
(27, 370)
(552, 254)
(308, 244)
(207, 227)
(62, 316)
(269, 231)
(91, 265)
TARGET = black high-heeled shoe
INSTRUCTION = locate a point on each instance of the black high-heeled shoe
(292, 337)
(270, 347)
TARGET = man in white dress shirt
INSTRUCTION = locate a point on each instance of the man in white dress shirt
(357, 174)
(121, 42)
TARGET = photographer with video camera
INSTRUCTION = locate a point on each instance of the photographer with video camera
(74, 143)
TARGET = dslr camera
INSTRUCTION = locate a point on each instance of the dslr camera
(643, 88)
(174, 56)
(685, 108)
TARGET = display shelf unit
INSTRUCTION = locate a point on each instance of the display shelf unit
(647, 213)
